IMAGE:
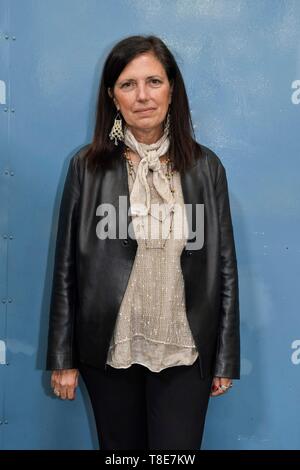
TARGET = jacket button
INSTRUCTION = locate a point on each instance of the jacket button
(125, 242)
(189, 253)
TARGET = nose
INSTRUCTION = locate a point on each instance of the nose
(141, 94)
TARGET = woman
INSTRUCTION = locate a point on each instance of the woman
(148, 316)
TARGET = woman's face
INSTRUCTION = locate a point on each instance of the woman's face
(143, 84)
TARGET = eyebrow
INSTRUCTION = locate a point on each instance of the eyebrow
(150, 76)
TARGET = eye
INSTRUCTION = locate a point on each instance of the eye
(126, 84)
(156, 81)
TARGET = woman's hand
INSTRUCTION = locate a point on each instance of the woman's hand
(64, 383)
(217, 383)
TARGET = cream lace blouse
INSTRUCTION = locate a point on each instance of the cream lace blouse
(152, 327)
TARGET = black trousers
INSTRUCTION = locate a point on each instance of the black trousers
(136, 408)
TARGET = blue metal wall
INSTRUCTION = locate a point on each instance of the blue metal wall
(241, 63)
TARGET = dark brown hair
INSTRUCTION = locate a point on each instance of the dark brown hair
(183, 145)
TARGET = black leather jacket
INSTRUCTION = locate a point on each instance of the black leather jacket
(90, 275)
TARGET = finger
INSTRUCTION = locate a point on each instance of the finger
(225, 382)
(220, 390)
(71, 393)
(55, 379)
(216, 393)
(215, 384)
(55, 385)
(63, 392)
(52, 381)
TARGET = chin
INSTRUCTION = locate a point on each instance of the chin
(148, 122)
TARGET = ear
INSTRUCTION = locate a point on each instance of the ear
(113, 98)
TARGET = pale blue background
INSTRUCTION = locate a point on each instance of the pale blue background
(239, 59)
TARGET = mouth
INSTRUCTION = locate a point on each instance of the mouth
(143, 111)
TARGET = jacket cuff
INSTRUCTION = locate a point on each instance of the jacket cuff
(61, 361)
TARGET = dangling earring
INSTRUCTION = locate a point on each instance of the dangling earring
(117, 130)
(167, 124)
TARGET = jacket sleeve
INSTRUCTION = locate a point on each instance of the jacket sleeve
(228, 351)
(61, 348)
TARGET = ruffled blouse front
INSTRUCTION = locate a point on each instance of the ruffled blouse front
(152, 327)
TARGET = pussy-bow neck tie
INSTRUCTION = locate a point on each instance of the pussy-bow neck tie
(140, 198)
